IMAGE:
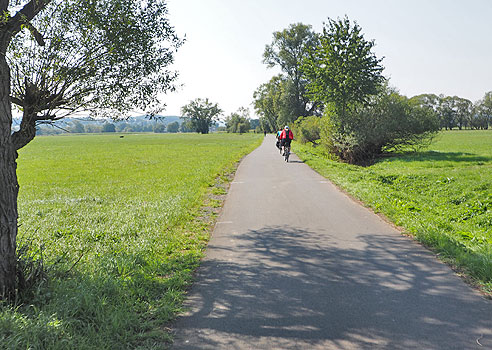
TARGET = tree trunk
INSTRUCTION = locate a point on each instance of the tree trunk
(9, 189)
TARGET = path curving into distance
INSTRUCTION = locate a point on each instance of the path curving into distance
(293, 263)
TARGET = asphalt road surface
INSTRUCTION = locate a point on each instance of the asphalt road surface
(293, 263)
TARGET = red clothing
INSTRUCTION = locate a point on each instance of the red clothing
(283, 135)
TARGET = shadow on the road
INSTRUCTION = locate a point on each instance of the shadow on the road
(308, 292)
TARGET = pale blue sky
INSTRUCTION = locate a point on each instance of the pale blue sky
(430, 46)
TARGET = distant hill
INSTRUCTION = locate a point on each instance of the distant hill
(166, 119)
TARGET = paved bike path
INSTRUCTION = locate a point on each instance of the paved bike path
(293, 263)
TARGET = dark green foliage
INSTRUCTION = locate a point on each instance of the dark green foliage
(238, 122)
(102, 56)
(287, 51)
(254, 124)
(159, 128)
(457, 112)
(389, 122)
(173, 127)
(362, 118)
(268, 101)
(307, 129)
(201, 114)
(482, 117)
(342, 69)
(283, 99)
(108, 127)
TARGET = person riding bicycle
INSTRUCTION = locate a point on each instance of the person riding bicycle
(286, 137)
(277, 136)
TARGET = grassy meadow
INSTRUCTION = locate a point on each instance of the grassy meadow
(119, 226)
(442, 195)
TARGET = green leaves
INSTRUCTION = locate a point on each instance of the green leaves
(201, 113)
(287, 51)
(342, 69)
(238, 122)
(106, 57)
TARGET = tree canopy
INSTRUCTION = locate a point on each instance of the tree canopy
(287, 51)
(201, 114)
(239, 121)
(103, 56)
(342, 69)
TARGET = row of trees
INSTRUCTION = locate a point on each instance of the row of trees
(79, 127)
(456, 112)
(333, 91)
(320, 68)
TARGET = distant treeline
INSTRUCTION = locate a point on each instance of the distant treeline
(158, 124)
(457, 112)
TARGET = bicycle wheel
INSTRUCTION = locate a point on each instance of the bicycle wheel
(287, 154)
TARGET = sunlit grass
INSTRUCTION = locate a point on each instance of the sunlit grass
(442, 195)
(115, 221)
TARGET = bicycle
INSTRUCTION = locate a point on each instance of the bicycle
(286, 153)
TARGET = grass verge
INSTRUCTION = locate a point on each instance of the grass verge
(120, 225)
(440, 195)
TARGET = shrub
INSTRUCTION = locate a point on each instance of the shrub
(307, 129)
(388, 123)
(108, 127)
(173, 127)
(159, 128)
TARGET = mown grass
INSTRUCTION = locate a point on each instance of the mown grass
(116, 223)
(442, 195)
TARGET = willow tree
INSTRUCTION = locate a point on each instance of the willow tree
(105, 57)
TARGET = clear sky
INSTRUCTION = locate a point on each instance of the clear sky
(429, 46)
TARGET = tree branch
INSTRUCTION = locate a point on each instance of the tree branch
(24, 16)
(4, 4)
(17, 101)
(36, 34)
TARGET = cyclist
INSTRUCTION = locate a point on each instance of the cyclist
(277, 143)
(286, 136)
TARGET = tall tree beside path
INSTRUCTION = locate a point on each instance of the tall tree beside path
(268, 103)
(60, 57)
(201, 114)
(288, 50)
(342, 69)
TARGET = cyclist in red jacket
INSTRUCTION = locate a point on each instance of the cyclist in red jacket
(286, 136)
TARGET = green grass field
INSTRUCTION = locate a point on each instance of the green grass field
(442, 195)
(119, 227)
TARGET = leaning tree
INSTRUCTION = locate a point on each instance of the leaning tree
(59, 57)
